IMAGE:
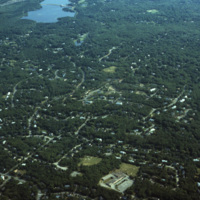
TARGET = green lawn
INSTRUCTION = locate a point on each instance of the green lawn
(129, 169)
(89, 160)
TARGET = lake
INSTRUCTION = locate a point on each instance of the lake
(50, 12)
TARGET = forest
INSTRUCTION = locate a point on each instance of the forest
(116, 84)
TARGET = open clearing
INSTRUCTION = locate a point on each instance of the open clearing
(153, 11)
(111, 90)
(81, 1)
(128, 169)
(141, 93)
(81, 38)
(89, 161)
(75, 174)
(110, 69)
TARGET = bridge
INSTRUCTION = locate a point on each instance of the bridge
(61, 5)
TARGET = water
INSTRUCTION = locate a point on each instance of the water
(49, 13)
(77, 44)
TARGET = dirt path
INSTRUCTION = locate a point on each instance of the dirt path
(13, 94)
(31, 119)
(34, 114)
(57, 163)
(56, 74)
(82, 80)
(110, 51)
(151, 112)
(90, 94)
(185, 113)
(81, 126)
(78, 86)
(176, 99)
(17, 165)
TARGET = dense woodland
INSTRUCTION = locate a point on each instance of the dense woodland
(132, 85)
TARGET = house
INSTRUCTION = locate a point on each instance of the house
(99, 139)
(152, 89)
(182, 100)
(88, 102)
(122, 152)
(119, 103)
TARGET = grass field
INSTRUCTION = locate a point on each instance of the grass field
(129, 169)
(82, 37)
(110, 69)
(89, 160)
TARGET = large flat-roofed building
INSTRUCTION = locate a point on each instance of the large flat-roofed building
(117, 181)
